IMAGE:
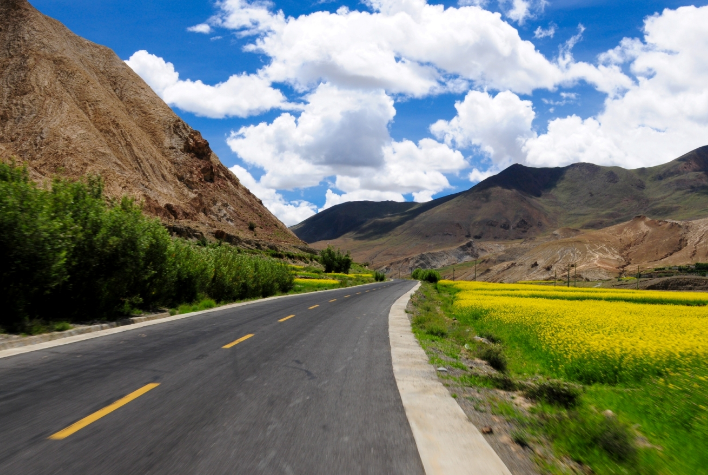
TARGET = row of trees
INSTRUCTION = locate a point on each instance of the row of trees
(66, 253)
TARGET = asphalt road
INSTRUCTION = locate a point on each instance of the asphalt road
(311, 394)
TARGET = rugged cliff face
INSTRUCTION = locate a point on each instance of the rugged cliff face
(70, 107)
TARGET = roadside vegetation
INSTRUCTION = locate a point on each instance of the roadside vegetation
(426, 275)
(311, 278)
(70, 255)
(603, 384)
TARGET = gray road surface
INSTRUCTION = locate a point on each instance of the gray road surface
(314, 394)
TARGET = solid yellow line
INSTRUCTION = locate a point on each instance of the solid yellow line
(286, 318)
(77, 426)
(314, 306)
(233, 343)
(333, 300)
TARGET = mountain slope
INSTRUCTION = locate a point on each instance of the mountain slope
(71, 107)
(523, 202)
(598, 254)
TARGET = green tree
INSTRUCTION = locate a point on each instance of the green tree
(334, 260)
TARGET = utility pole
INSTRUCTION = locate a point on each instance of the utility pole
(637, 277)
(576, 274)
(453, 273)
(475, 271)
(555, 277)
(568, 275)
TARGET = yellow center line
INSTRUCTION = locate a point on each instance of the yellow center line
(236, 342)
(333, 300)
(358, 293)
(347, 296)
(77, 426)
(314, 306)
(286, 318)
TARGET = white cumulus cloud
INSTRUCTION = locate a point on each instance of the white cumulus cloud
(201, 28)
(545, 32)
(403, 46)
(344, 133)
(498, 125)
(522, 10)
(662, 114)
(241, 95)
(289, 212)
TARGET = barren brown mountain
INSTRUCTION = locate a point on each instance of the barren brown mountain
(71, 107)
(529, 223)
(639, 244)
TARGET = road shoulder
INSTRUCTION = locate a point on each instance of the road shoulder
(448, 443)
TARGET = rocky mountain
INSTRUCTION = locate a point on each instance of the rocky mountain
(639, 244)
(70, 107)
(520, 204)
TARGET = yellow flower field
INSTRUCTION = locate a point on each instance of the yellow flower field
(593, 340)
(585, 293)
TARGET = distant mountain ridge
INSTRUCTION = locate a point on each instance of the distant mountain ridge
(518, 203)
(70, 107)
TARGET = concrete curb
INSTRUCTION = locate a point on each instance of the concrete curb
(50, 340)
(448, 443)
(18, 342)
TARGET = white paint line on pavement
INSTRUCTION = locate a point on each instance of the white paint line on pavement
(448, 443)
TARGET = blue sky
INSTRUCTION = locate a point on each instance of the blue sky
(316, 103)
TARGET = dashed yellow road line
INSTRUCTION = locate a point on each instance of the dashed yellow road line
(314, 306)
(358, 293)
(286, 318)
(333, 300)
(77, 426)
(347, 296)
(236, 342)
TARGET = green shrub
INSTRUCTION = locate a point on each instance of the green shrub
(494, 355)
(334, 260)
(68, 251)
(62, 326)
(490, 337)
(502, 381)
(555, 392)
(436, 329)
(426, 275)
(614, 438)
(379, 276)
(520, 437)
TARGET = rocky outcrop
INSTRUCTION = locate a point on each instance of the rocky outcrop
(437, 259)
(70, 107)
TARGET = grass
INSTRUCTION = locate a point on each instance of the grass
(203, 304)
(39, 326)
(653, 421)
